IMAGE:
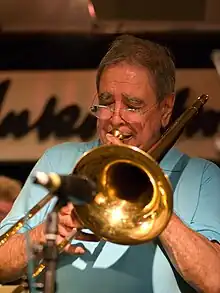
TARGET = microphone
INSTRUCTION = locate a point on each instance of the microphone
(77, 189)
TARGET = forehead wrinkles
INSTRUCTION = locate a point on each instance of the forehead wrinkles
(118, 88)
(125, 82)
(123, 74)
(114, 83)
(130, 79)
(126, 78)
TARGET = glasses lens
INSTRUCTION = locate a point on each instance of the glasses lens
(104, 112)
(130, 116)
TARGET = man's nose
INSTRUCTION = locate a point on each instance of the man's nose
(116, 117)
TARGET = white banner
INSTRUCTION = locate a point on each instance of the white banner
(41, 109)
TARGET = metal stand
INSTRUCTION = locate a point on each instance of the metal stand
(68, 189)
(50, 253)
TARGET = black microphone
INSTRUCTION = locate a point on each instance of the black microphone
(74, 188)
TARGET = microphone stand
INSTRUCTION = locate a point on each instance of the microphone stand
(50, 253)
(67, 188)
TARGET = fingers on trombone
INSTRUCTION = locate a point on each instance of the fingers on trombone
(64, 231)
(74, 249)
(86, 236)
(113, 140)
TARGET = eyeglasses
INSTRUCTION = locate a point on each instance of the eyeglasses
(128, 114)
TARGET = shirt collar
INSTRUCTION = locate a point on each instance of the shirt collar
(171, 162)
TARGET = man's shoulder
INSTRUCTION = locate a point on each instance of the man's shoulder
(177, 160)
(64, 156)
(174, 160)
(203, 165)
(209, 169)
(199, 173)
(71, 147)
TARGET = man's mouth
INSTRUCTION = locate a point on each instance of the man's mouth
(126, 137)
(120, 135)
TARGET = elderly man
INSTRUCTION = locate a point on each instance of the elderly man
(135, 94)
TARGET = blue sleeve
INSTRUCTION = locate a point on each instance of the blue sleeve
(206, 219)
(30, 195)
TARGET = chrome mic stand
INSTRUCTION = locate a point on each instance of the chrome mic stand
(50, 253)
(70, 188)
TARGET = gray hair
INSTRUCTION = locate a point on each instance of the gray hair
(152, 56)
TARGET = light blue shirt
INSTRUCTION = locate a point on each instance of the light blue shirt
(112, 268)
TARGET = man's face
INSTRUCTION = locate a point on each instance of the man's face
(123, 87)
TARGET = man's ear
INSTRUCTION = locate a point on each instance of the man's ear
(166, 109)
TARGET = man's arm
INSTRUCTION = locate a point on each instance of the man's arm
(188, 244)
(13, 254)
(195, 257)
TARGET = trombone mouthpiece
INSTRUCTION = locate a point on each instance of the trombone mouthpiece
(116, 133)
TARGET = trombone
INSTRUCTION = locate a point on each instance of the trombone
(134, 199)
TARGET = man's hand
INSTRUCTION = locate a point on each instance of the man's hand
(67, 222)
(113, 140)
